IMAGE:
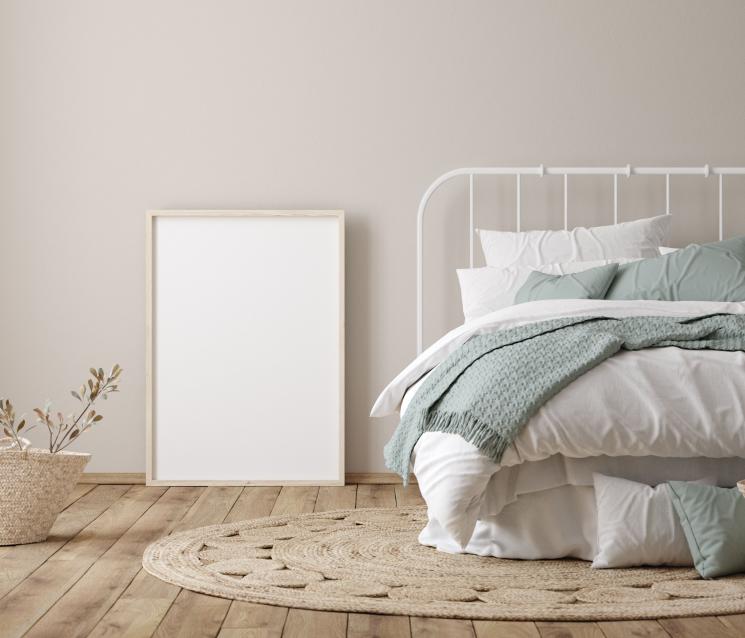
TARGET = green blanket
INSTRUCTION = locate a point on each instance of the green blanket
(490, 387)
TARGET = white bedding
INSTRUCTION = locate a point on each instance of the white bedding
(662, 403)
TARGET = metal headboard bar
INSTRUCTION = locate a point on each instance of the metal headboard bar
(541, 170)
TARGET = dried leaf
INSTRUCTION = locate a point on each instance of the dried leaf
(75, 394)
(97, 418)
(7, 432)
(21, 425)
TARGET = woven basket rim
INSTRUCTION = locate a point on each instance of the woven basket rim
(37, 451)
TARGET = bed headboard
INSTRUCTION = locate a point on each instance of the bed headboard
(611, 171)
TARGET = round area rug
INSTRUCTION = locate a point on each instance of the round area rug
(370, 561)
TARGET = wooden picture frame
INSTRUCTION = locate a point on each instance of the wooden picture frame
(168, 297)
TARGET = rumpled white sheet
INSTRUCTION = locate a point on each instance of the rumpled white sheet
(661, 402)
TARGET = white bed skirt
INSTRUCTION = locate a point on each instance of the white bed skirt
(553, 523)
(546, 509)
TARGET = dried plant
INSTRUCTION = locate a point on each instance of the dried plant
(10, 427)
(63, 430)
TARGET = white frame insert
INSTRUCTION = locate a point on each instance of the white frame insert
(150, 337)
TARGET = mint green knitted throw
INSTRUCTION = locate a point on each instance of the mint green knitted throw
(489, 388)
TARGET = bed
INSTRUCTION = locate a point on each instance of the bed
(649, 415)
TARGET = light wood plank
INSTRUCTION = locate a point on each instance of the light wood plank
(735, 622)
(505, 629)
(193, 615)
(254, 502)
(146, 601)
(408, 496)
(376, 626)
(139, 610)
(240, 632)
(23, 606)
(80, 609)
(295, 499)
(304, 623)
(20, 560)
(569, 630)
(441, 628)
(376, 496)
(78, 491)
(635, 628)
(708, 626)
(259, 621)
(336, 498)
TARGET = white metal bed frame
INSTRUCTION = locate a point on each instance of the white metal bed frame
(542, 170)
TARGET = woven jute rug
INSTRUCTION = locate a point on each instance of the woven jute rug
(370, 561)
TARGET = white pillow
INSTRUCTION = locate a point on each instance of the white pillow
(666, 250)
(638, 239)
(637, 524)
(484, 290)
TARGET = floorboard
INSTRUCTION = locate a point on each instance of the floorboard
(376, 496)
(23, 606)
(295, 499)
(254, 502)
(86, 579)
(257, 621)
(147, 600)
(409, 495)
(21, 560)
(707, 627)
(569, 630)
(78, 491)
(302, 623)
(503, 629)
(336, 498)
(265, 621)
(193, 615)
(441, 628)
(735, 622)
(79, 610)
(633, 629)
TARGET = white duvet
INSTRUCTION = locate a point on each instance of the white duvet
(660, 402)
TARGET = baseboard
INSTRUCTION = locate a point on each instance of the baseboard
(376, 478)
(138, 478)
(114, 478)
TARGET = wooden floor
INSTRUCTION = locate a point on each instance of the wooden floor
(86, 579)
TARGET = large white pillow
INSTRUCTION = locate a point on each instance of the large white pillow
(637, 525)
(638, 239)
(484, 290)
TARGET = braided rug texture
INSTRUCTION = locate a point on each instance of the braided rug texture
(369, 560)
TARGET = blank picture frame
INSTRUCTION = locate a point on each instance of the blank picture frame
(245, 347)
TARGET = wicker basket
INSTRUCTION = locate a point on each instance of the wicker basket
(34, 485)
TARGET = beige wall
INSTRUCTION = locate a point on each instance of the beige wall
(110, 108)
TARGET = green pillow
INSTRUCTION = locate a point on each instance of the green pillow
(713, 519)
(586, 284)
(708, 272)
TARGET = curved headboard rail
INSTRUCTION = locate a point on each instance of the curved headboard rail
(565, 171)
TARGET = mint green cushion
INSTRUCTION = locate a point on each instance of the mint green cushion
(708, 272)
(587, 284)
(713, 519)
